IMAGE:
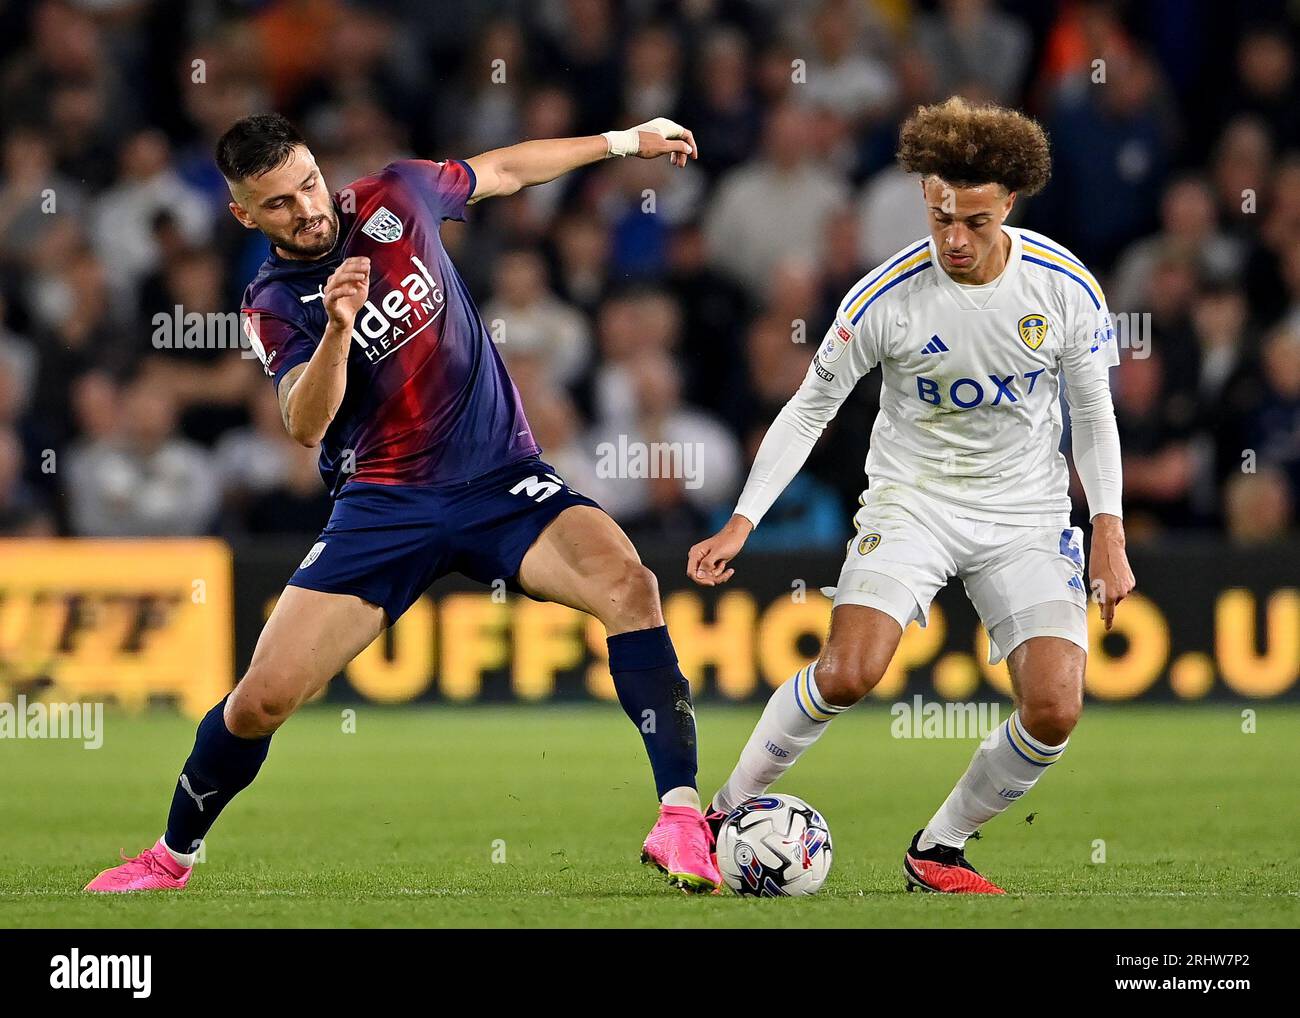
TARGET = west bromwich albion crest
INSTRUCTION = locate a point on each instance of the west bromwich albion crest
(1033, 330)
(383, 226)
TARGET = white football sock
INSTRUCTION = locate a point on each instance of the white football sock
(793, 720)
(682, 795)
(1006, 766)
(184, 858)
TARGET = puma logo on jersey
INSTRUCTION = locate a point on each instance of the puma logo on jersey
(968, 393)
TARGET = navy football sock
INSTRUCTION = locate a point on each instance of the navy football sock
(656, 696)
(220, 766)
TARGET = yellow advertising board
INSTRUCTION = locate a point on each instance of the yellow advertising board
(123, 620)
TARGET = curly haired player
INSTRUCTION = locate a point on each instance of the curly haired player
(973, 328)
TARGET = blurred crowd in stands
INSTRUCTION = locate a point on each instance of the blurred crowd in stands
(633, 301)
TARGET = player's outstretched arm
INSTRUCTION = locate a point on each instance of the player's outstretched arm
(780, 457)
(504, 171)
(785, 447)
(311, 393)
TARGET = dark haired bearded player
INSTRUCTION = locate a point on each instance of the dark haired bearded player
(974, 328)
(380, 357)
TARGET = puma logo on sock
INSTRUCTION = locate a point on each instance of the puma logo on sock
(198, 799)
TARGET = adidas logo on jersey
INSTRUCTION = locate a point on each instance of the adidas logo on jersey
(935, 345)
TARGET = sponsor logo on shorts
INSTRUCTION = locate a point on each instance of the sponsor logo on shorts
(868, 543)
(312, 555)
(537, 488)
(383, 226)
(1072, 545)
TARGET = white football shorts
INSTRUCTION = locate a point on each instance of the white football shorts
(1024, 581)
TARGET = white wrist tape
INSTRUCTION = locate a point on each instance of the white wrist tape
(622, 143)
(626, 143)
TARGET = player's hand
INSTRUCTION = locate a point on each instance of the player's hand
(663, 137)
(346, 290)
(707, 562)
(1110, 577)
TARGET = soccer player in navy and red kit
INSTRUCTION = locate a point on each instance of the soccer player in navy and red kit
(380, 357)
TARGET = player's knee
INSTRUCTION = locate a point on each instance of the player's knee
(632, 595)
(1051, 721)
(261, 703)
(843, 682)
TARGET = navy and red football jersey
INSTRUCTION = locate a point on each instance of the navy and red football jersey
(428, 400)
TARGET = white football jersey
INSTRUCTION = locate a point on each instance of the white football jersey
(969, 407)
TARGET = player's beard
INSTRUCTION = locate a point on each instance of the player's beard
(312, 245)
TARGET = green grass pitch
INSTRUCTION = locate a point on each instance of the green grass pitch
(397, 824)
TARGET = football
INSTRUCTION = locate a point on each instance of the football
(774, 846)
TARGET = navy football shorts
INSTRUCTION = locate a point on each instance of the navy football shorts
(388, 543)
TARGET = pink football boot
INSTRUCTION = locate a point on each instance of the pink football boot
(681, 845)
(152, 870)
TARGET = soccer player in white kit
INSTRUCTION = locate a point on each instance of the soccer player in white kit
(974, 329)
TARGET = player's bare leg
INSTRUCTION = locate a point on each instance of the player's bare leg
(1047, 679)
(861, 643)
(308, 639)
(584, 560)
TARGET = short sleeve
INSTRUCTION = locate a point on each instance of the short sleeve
(279, 345)
(447, 186)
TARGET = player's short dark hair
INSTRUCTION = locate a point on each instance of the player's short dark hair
(968, 145)
(255, 144)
